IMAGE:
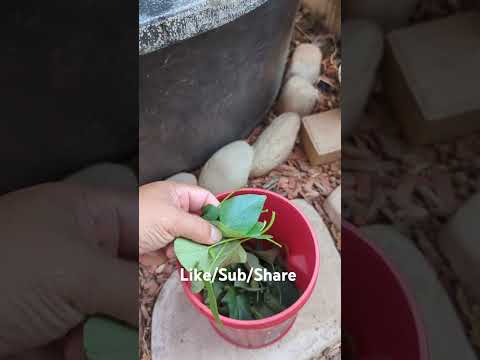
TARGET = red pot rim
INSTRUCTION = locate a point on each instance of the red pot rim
(281, 316)
(417, 316)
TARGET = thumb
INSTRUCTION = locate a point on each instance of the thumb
(112, 289)
(193, 227)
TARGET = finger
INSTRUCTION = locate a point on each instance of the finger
(193, 227)
(112, 289)
(117, 193)
(193, 198)
(116, 219)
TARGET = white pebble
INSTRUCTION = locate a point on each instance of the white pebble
(275, 144)
(298, 96)
(306, 63)
(228, 168)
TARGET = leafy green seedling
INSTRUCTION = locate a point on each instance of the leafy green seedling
(237, 217)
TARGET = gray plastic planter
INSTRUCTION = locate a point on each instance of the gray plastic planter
(209, 71)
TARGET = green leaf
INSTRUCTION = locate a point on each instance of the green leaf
(241, 213)
(191, 254)
(197, 286)
(289, 293)
(252, 261)
(106, 339)
(272, 302)
(226, 231)
(257, 229)
(227, 254)
(212, 302)
(238, 306)
(210, 213)
(218, 290)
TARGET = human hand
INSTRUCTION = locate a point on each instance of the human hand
(64, 256)
(168, 210)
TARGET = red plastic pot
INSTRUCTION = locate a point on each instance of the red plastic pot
(379, 316)
(292, 229)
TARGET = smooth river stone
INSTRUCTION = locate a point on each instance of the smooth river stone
(297, 95)
(306, 62)
(275, 144)
(183, 178)
(228, 168)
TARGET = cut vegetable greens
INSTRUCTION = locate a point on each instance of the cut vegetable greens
(237, 217)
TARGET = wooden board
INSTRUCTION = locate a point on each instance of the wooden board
(431, 78)
(322, 136)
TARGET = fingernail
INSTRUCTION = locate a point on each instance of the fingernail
(215, 234)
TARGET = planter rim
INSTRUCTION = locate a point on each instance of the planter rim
(281, 316)
(165, 22)
(416, 314)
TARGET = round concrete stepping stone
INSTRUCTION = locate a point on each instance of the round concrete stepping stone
(445, 334)
(184, 178)
(459, 242)
(329, 276)
(179, 332)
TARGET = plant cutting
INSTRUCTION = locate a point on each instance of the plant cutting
(239, 275)
(285, 243)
